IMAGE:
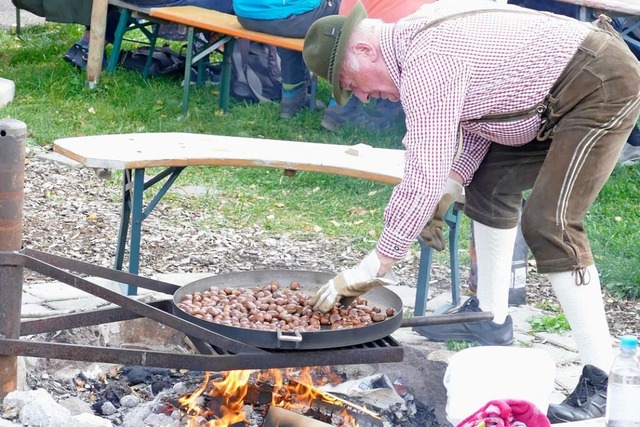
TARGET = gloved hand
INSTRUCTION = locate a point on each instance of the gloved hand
(433, 233)
(352, 283)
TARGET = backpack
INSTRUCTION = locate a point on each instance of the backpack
(164, 62)
(255, 74)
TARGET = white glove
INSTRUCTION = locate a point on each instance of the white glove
(352, 283)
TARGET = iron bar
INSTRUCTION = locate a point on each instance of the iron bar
(446, 319)
(12, 150)
(386, 350)
(84, 319)
(103, 272)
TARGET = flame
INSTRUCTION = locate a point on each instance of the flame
(232, 389)
(291, 388)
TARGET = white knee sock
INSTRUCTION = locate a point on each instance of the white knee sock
(494, 251)
(584, 308)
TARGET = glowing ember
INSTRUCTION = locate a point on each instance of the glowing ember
(290, 389)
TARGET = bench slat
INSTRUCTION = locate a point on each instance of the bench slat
(218, 22)
(137, 151)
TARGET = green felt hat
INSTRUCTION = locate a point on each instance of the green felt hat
(325, 45)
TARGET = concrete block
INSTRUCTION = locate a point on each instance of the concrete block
(7, 91)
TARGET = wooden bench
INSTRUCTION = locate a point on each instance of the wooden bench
(148, 20)
(173, 152)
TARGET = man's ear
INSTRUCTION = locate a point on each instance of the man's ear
(366, 49)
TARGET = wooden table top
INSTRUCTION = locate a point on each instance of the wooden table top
(144, 150)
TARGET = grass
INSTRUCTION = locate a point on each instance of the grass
(52, 101)
(549, 323)
(453, 345)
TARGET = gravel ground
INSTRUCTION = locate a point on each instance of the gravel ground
(74, 213)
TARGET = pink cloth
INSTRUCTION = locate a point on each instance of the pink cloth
(507, 413)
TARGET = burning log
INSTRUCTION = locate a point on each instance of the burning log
(280, 417)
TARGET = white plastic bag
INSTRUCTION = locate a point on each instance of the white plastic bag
(478, 375)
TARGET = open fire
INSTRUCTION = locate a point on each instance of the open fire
(221, 402)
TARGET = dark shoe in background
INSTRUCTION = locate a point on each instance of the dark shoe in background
(211, 75)
(630, 155)
(391, 111)
(295, 101)
(484, 332)
(588, 400)
(353, 113)
(78, 55)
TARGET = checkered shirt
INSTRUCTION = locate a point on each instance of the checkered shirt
(462, 69)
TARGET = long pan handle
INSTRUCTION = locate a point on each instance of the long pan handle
(445, 319)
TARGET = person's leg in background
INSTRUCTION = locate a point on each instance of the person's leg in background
(295, 76)
(224, 6)
(630, 153)
(78, 54)
(354, 113)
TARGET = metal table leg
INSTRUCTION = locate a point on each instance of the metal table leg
(134, 213)
(452, 218)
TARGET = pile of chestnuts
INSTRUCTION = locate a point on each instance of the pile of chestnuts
(271, 307)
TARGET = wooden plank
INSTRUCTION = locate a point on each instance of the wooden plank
(628, 7)
(218, 22)
(143, 150)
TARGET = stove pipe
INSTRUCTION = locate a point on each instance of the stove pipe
(12, 156)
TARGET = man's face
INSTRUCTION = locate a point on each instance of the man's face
(366, 79)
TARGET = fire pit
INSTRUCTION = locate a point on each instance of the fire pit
(216, 351)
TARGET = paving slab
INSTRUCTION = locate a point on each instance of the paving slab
(52, 156)
(522, 315)
(36, 311)
(560, 355)
(407, 295)
(54, 291)
(8, 17)
(79, 305)
(28, 298)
